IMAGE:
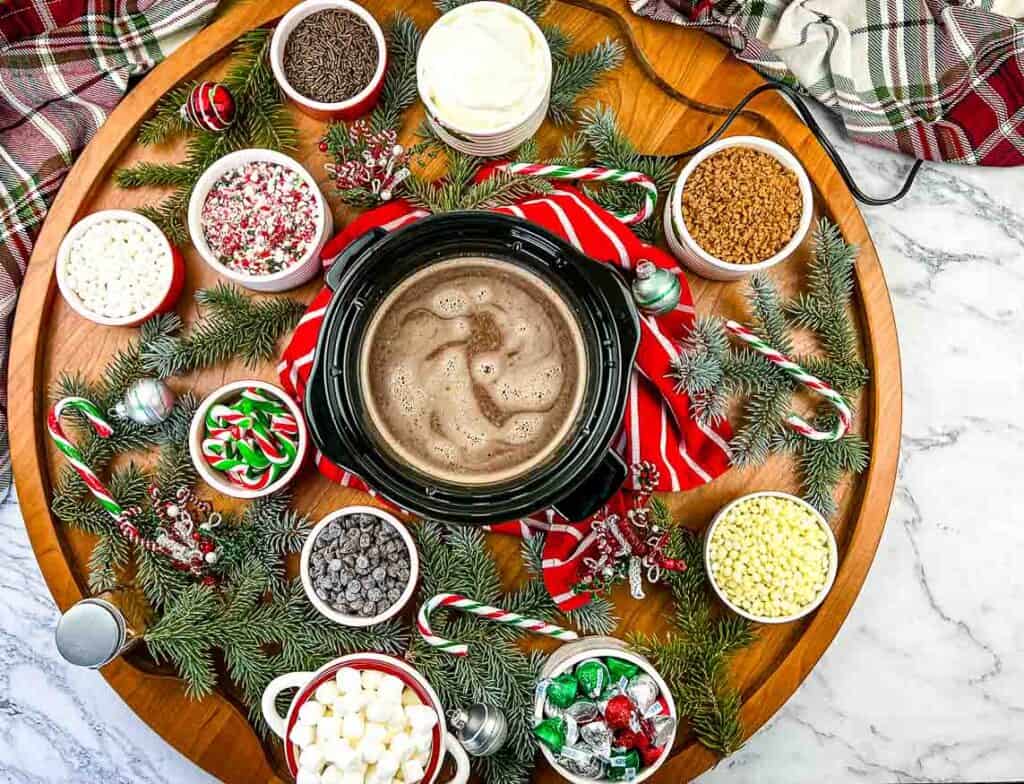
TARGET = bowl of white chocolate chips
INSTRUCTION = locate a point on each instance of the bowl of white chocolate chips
(366, 718)
(771, 557)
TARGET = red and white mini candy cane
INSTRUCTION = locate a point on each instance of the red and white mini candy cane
(495, 614)
(88, 409)
(595, 174)
(813, 383)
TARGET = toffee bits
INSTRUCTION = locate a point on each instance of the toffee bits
(741, 205)
(330, 56)
(359, 565)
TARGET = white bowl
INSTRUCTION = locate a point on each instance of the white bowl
(197, 430)
(500, 139)
(686, 249)
(298, 273)
(351, 108)
(172, 274)
(565, 659)
(833, 556)
(356, 620)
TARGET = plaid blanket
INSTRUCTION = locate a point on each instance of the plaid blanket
(64, 65)
(934, 79)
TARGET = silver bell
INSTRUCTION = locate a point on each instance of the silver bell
(481, 729)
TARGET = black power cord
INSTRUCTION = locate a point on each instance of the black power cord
(819, 134)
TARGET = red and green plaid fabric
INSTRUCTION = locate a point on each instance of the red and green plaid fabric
(934, 79)
(64, 65)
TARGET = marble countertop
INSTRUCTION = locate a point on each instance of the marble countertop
(925, 682)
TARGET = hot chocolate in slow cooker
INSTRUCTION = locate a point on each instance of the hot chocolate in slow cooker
(474, 368)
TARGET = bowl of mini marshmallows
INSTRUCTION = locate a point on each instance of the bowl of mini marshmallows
(116, 268)
(359, 566)
(771, 557)
(366, 717)
(741, 205)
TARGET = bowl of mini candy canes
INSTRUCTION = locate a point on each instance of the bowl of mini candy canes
(248, 439)
(359, 566)
(258, 218)
(365, 717)
(603, 713)
(771, 557)
(116, 268)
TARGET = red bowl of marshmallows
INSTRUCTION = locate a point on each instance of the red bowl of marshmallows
(363, 717)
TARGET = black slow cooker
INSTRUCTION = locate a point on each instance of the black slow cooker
(582, 474)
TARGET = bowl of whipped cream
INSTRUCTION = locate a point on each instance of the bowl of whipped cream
(484, 74)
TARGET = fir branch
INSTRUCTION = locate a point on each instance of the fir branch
(167, 123)
(575, 74)
(399, 90)
(161, 175)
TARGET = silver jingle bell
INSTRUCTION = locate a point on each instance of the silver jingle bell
(481, 729)
(149, 401)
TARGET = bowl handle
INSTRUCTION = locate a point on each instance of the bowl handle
(461, 759)
(291, 680)
(595, 490)
(337, 269)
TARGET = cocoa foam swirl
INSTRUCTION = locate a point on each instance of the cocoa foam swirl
(472, 370)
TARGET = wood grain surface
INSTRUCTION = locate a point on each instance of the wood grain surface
(667, 66)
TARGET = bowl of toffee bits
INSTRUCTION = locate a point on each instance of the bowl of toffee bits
(359, 566)
(741, 205)
(329, 58)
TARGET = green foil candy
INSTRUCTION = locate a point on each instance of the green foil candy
(624, 765)
(620, 668)
(551, 732)
(561, 692)
(593, 677)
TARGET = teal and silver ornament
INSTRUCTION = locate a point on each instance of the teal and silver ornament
(656, 291)
(149, 401)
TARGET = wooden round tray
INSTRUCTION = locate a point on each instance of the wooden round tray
(50, 338)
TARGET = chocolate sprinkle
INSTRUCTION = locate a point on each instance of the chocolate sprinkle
(330, 56)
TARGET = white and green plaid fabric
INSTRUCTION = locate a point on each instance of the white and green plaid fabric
(934, 79)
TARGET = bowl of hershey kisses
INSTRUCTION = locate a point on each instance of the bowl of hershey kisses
(603, 713)
(359, 566)
(367, 718)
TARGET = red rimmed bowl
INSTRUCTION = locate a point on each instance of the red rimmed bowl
(307, 683)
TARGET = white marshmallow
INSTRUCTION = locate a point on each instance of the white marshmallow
(381, 710)
(310, 711)
(303, 735)
(352, 727)
(349, 680)
(412, 771)
(326, 692)
(421, 717)
(391, 687)
(339, 752)
(357, 776)
(371, 751)
(330, 775)
(353, 702)
(307, 777)
(312, 758)
(421, 741)
(387, 765)
(328, 727)
(371, 679)
(401, 746)
(375, 733)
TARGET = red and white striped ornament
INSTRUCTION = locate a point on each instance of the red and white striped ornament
(210, 106)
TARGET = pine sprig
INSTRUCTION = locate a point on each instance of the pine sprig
(399, 90)
(456, 190)
(261, 121)
(573, 75)
(712, 371)
(694, 658)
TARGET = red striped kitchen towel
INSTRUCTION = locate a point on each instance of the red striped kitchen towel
(658, 430)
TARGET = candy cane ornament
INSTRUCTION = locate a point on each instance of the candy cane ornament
(495, 614)
(801, 376)
(594, 174)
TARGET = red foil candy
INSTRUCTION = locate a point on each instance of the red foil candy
(619, 711)
(650, 755)
(632, 740)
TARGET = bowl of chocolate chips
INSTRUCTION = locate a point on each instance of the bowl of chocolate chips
(359, 566)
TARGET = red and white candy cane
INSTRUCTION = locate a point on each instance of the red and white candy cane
(495, 614)
(92, 481)
(595, 174)
(813, 383)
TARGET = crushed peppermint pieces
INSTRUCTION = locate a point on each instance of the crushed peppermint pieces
(260, 218)
(118, 268)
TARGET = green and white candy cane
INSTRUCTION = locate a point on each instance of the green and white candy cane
(549, 171)
(801, 376)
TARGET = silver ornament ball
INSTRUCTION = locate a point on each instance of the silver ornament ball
(481, 729)
(656, 291)
(149, 401)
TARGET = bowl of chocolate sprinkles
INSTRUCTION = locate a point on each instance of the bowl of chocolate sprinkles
(329, 58)
(739, 206)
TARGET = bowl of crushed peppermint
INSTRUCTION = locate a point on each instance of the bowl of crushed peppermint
(359, 566)
(258, 218)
